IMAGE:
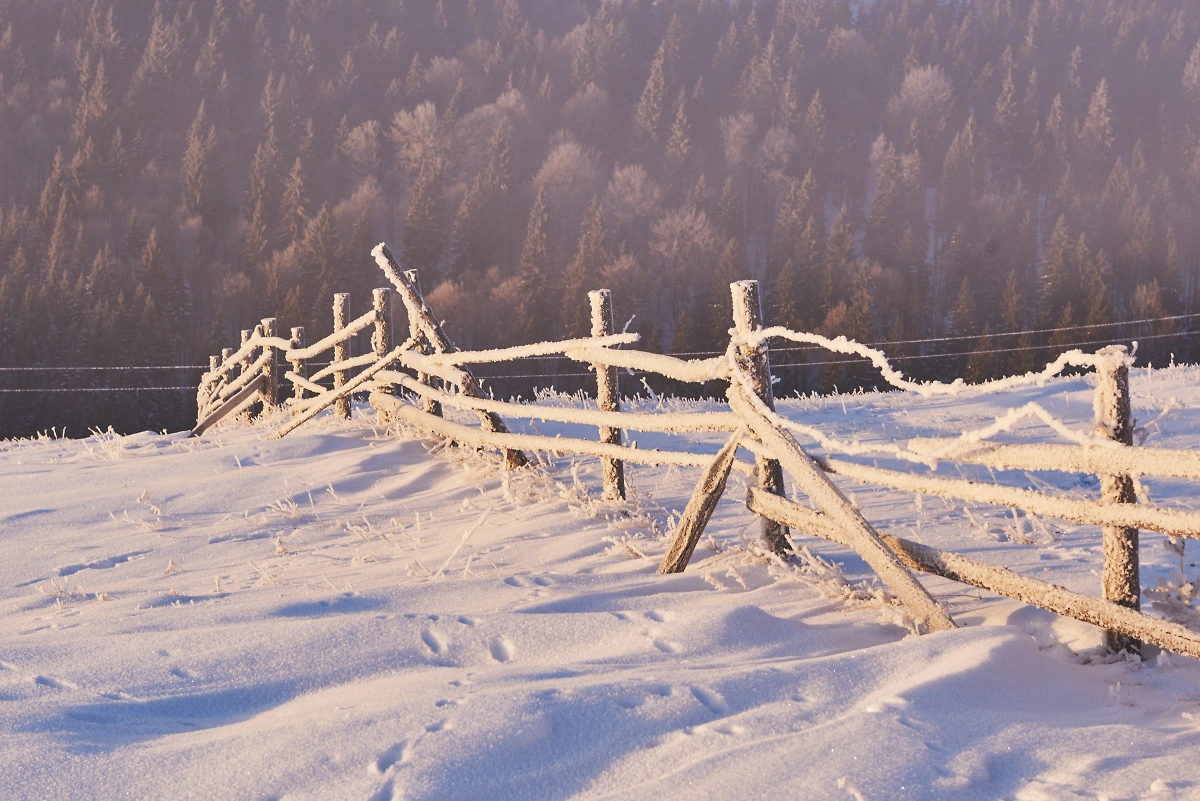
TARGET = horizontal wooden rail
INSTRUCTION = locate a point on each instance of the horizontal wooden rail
(237, 403)
(693, 372)
(397, 409)
(301, 381)
(1166, 462)
(663, 423)
(354, 327)
(1096, 611)
(345, 364)
(530, 351)
(1168, 521)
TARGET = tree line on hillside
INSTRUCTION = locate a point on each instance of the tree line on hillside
(896, 171)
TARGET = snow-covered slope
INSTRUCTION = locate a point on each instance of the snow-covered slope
(346, 614)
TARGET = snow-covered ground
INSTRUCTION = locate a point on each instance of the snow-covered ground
(356, 613)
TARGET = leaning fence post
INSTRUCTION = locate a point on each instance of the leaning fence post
(1122, 583)
(429, 405)
(270, 391)
(299, 366)
(341, 351)
(606, 394)
(747, 318)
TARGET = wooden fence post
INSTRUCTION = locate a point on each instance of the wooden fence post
(607, 395)
(248, 360)
(1122, 583)
(271, 369)
(214, 386)
(341, 351)
(299, 366)
(747, 318)
(429, 405)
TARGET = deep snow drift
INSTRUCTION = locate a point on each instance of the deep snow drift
(353, 612)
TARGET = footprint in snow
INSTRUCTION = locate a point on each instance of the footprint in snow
(433, 641)
(386, 793)
(395, 755)
(57, 684)
(658, 616)
(441, 725)
(501, 650)
(180, 673)
(715, 703)
(666, 646)
(513, 581)
(466, 621)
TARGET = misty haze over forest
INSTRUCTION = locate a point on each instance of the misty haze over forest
(171, 172)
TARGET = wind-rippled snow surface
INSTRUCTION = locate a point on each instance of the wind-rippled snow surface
(343, 614)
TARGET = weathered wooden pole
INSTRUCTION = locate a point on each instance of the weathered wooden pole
(247, 360)
(381, 339)
(341, 351)
(271, 368)
(299, 366)
(414, 330)
(207, 392)
(747, 318)
(607, 394)
(820, 489)
(1122, 583)
(700, 508)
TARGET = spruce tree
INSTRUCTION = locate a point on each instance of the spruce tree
(648, 117)
(583, 273)
(293, 211)
(535, 309)
(197, 160)
(424, 239)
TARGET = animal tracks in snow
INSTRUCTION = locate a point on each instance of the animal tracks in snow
(433, 641)
(502, 650)
(397, 754)
(57, 684)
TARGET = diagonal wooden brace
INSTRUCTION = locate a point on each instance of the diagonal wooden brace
(861, 535)
(429, 326)
(700, 508)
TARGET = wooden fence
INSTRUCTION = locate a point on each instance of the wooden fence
(414, 381)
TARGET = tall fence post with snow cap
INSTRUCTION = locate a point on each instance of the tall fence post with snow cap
(1122, 583)
(341, 351)
(299, 366)
(606, 394)
(270, 391)
(414, 330)
(747, 318)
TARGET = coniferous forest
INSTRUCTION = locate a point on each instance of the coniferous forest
(1002, 177)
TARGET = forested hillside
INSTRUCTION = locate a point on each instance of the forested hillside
(171, 172)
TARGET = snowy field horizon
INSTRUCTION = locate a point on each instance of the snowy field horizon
(358, 611)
